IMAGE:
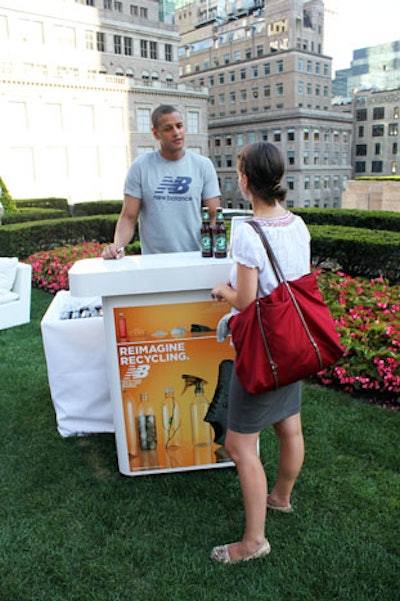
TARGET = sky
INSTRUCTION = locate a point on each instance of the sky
(364, 23)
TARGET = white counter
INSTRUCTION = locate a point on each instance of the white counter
(160, 332)
(141, 274)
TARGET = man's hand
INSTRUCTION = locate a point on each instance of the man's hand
(113, 251)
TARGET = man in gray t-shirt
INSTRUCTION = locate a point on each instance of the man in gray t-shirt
(165, 190)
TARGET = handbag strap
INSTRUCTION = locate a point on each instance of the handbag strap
(271, 255)
(281, 279)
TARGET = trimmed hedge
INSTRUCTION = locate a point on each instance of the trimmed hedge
(23, 239)
(44, 203)
(105, 207)
(373, 220)
(32, 214)
(358, 251)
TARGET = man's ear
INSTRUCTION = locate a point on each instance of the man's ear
(155, 133)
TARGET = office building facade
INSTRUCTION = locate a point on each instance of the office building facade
(78, 83)
(268, 79)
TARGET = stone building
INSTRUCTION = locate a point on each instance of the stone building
(268, 79)
(78, 82)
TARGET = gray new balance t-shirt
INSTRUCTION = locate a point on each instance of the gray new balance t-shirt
(171, 193)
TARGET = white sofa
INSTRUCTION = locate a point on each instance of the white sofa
(15, 292)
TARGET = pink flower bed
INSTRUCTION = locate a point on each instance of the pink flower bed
(367, 313)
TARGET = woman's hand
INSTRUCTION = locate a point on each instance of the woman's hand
(220, 291)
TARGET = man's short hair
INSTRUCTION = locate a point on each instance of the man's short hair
(164, 109)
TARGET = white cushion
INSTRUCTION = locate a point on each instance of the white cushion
(7, 297)
(8, 271)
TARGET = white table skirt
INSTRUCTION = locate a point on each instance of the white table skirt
(75, 352)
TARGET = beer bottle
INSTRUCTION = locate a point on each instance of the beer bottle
(206, 234)
(220, 236)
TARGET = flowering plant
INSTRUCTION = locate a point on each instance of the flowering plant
(50, 267)
(366, 313)
(367, 316)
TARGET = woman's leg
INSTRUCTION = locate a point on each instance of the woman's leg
(243, 450)
(291, 457)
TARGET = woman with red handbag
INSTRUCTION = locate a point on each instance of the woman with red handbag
(260, 170)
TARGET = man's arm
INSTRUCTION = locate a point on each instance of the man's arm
(212, 204)
(125, 227)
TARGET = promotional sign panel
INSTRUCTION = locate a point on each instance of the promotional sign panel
(173, 373)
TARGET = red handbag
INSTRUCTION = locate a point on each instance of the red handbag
(285, 336)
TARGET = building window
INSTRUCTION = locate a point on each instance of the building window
(300, 87)
(361, 150)
(254, 71)
(251, 137)
(279, 66)
(260, 50)
(221, 78)
(277, 135)
(316, 136)
(89, 37)
(232, 97)
(360, 167)
(361, 115)
(228, 140)
(254, 93)
(153, 50)
(134, 10)
(377, 149)
(243, 95)
(290, 157)
(361, 131)
(228, 184)
(144, 12)
(378, 130)
(395, 147)
(378, 112)
(118, 44)
(290, 183)
(279, 89)
(306, 158)
(393, 129)
(193, 122)
(127, 46)
(267, 68)
(300, 64)
(236, 56)
(221, 98)
(118, 7)
(290, 135)
(306, 135)
(307, 184)
(168, 52)
(228, 160)
(143, 49)
(218, 161)
(242, 74)
(107, 4)
(267, 91)
(231, 76)
(100, 42)
(143, 119)
(239, 140)
(376, 166)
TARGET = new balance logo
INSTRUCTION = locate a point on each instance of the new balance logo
(179, 185)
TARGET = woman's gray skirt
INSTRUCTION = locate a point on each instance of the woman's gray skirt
(251, 413)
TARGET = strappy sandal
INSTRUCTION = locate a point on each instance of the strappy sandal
(221, 553)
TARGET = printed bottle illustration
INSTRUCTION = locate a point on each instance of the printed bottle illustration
(146, 422)
(201, 431)
(130, 426)
(172, 424)
(206, 234)
(220, 236)
(122, 332)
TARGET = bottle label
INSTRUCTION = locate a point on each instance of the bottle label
(206, 242)
(220, 243)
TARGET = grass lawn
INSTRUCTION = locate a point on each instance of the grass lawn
(72, 528)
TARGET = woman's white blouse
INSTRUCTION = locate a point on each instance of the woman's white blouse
(290, 241)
